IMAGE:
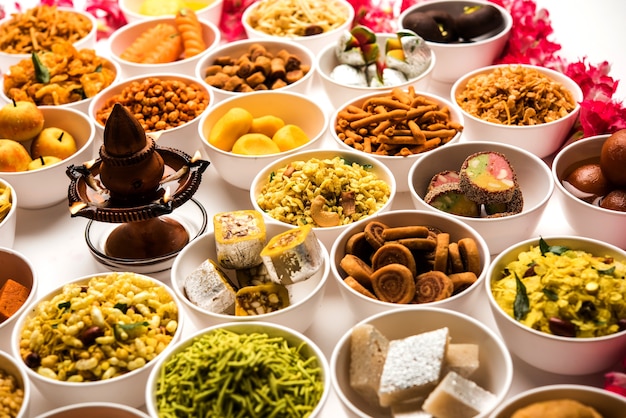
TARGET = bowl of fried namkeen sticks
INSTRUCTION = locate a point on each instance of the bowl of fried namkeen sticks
(164, 44)
(396, 127)
(38, 28)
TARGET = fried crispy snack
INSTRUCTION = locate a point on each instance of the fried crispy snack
(73, 75)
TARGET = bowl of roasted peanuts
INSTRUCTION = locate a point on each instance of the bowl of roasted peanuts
(167, 105)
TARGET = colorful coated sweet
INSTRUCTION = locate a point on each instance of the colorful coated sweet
(239, 238)
(488, 177)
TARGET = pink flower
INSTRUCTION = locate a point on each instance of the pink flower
(230, 21)
(615, 382)
(108, 14)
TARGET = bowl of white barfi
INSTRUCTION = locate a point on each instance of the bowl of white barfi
(420, 360)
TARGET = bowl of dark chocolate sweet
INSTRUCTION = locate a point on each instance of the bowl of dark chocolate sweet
(465, 34)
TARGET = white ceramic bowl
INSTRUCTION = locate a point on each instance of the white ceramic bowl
(47, 186)
(183, 137)
(293, 108)
(456, 59)
(607, 404)
(305, 297)
(607, 225)
(361, 306)
(211, 12)
(533, 176)
(240, 48)
(294, 339)
(548, 352)
(326, 234)
(10, 366)
(339, 93)
(313, 42)
(126, 35)
(495, 372)
(398, 165)
(17, 267)
(9, 222)
(95, 410)
(89, 41)
(126, 389)
(542, 139)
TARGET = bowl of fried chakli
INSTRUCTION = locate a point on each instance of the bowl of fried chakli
(406, 258)
(527, 106)
(97, 337)
(38, 28)
(328, 189)
(396, 127)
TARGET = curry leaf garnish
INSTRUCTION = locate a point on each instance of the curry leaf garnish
(42, 74)
(350, 163)
(272, 175)
(521, 306)
(64, 305)
(610, 271)
(121, 306)
(555, 249)
(550, 294)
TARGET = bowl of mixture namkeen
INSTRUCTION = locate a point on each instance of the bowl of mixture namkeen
(528, 106)
(559, 304)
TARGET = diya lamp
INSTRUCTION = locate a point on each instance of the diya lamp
(137, 184)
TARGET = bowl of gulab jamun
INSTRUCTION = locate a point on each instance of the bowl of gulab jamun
(591, 186)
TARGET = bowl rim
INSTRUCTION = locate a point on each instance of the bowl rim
(124, 7)
(326, 77)
(95, 404)
(506, 15)
(566, 81)
(116, 35)
(559, 182)
(230, 102)
(415, 309)
(177, 283)
(517, 248)
(34, 376)
(13, 319)
(480, 241)
(6, 357)
(488, 146)
(257, 326)
(325, 153)
(14, 202)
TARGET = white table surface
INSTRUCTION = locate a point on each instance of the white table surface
(54, 241)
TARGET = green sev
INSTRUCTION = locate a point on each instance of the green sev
(226, 374)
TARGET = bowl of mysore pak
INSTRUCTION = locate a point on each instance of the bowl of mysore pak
(422, 361)
(36, 29)
(35, 165)
(163, 44)
(242, 134)
(248, 65)
(310, 23)
(562, 400)
(465, 35)
(135, 10)
(95, 338)
(528, 106)
(16, 391)
(396, 127)
(363, 62)
(328, 189)
(503, 195)
(591, 186)
(406, 258)
(167, 105)
(248, 269)
(241, 369)
(558, 302)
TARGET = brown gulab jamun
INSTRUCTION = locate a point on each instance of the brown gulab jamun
(613, 158)
(589, 178)
(614, 200)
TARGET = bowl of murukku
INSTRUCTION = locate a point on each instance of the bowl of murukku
(164, 44)
(328, 189)
(241, 369)
(96, 338)
(527, 106)
(409, 258)
(38, 28)
(396, 127)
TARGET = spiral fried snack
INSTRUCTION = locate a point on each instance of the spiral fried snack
(394, 283)
(432, 286)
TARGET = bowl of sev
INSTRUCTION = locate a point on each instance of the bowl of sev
(38, 28)
(313, 24)
(528, 106)
(241, 369)
(407, 258)
(396, 127)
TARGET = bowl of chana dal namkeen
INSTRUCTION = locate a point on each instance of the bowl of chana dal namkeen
(96, 338)
(14, 388)
(559, 303)
(528, 106)
(241, 369)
